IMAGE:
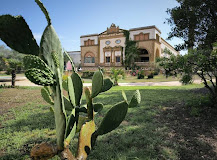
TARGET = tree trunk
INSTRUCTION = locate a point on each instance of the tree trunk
(13, 77)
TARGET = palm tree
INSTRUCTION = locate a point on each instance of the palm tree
(132, 53)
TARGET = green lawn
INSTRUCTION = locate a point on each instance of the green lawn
(133, 79)
(145, 133)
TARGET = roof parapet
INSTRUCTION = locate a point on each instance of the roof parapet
(147, 27)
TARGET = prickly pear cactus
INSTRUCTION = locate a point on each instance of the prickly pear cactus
(45, 67)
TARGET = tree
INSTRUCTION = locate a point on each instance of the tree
(197, 62)
(194, 21)
(11, 61)
(13, 65)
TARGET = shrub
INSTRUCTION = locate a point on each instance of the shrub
(186, 79)
(141, 74)
(151, 75)
(87, 74)
(156, 71)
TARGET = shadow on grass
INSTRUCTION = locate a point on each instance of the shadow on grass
(33, 121)
(161, 128)
(153, 132)
(195, 136)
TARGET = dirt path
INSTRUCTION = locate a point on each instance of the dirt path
(26, 82)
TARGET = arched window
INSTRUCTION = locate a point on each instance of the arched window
(89, 58)
(143, 56)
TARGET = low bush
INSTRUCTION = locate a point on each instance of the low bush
(151, 75)
(141, 74)
(87, 74)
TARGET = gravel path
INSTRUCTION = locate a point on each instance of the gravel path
(22, 81)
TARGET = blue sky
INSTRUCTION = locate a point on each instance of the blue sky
(73, 18)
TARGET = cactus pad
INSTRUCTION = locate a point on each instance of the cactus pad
(84, 146)
(71, 128)
(78, 87)
(45, 94)
(50, 45)
(97, 107)
(15, 32)
(136, 99)
(71, 91)
(32, 61)
(40, 77)
(97, 83)
(107, 84)
(67, 104)
(113, 118)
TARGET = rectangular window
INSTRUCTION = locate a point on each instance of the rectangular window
(118, 59)
(92, 42)
(107, 59)
(89, 60)
(136, 37)
(146, 36)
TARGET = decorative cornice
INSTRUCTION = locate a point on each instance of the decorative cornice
(89, 35)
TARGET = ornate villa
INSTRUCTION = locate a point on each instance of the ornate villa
(107, 49)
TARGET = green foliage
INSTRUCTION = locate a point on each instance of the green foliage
(151, 75)
(71, 127)
(15, 32)
(107, 84)
(116, 74)
(51, 50)
(67, 104)
(45, 94)
(197, 62)
(97, 107)
(135, 100)
(141, 74)
(6, 54)
(131, 51)
(113, 118)
(186, 79)
(40, 77)
(78, 87)
(187, 21)
(87, 74)
(97, 83)
(32, 61)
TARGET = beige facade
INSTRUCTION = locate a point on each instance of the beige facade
(107, 49)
